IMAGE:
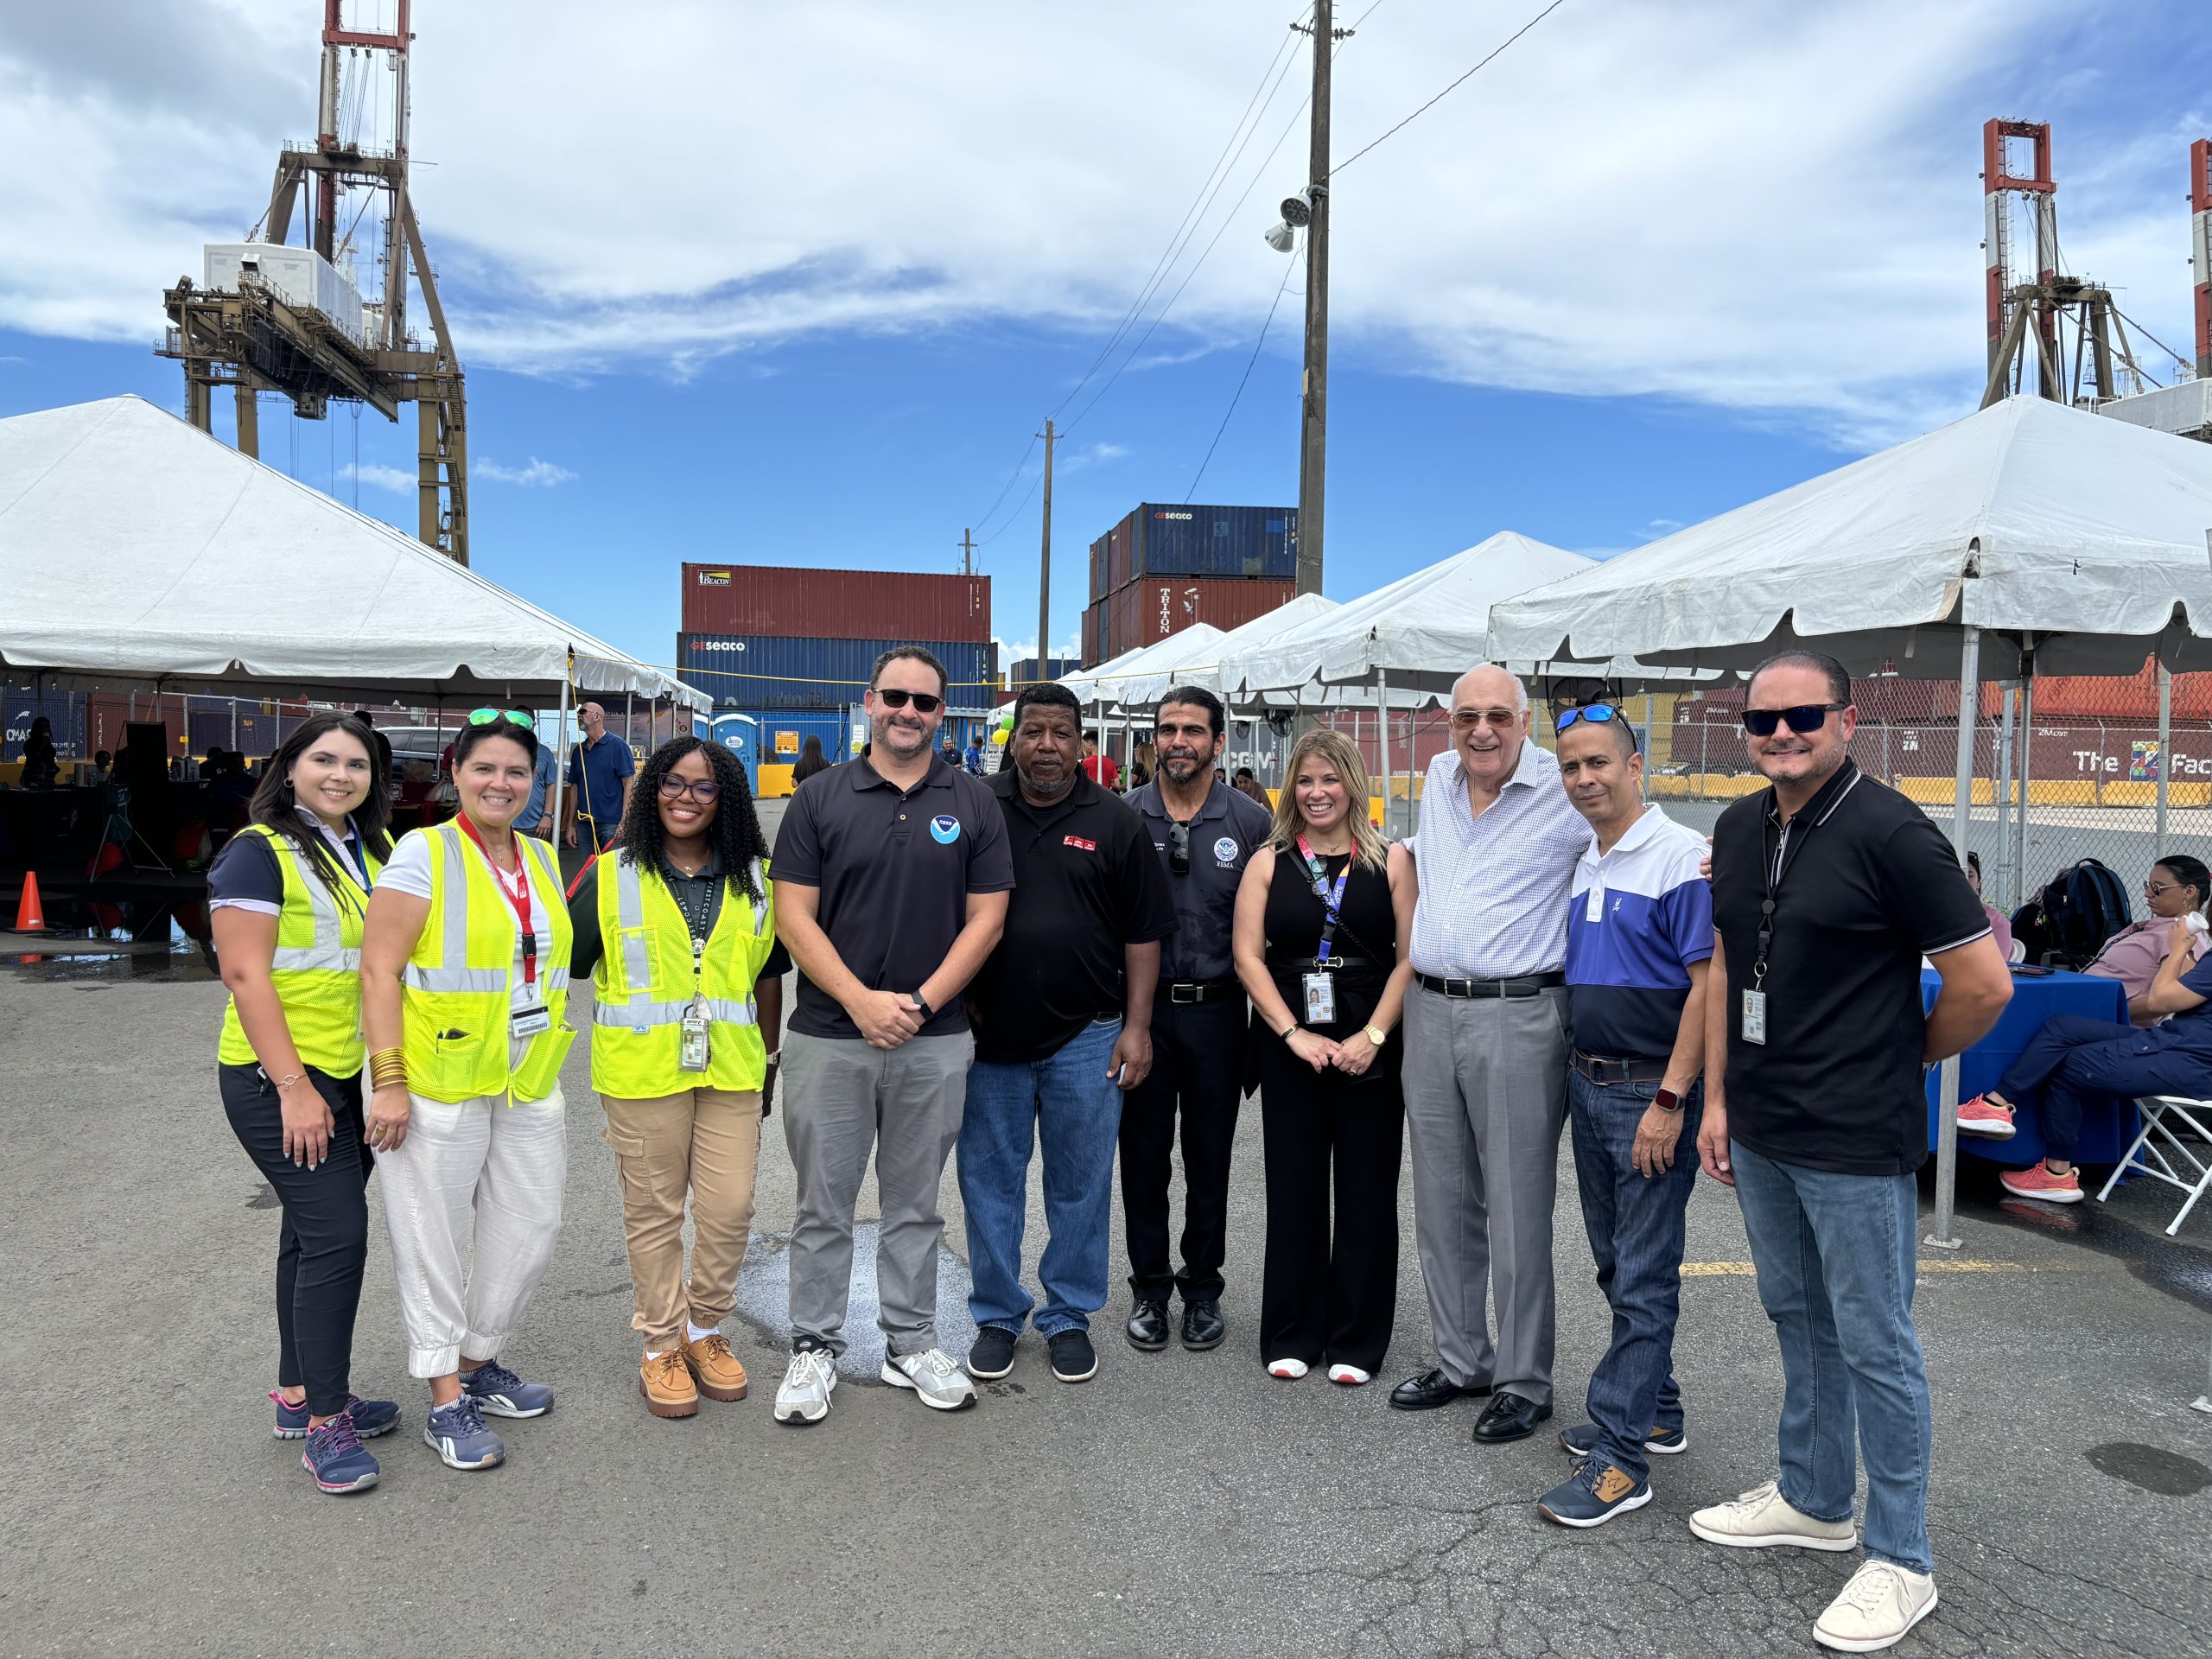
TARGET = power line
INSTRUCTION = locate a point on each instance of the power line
(1023, 502)
(1289, 266)
(1448, 91)
(1008, 485)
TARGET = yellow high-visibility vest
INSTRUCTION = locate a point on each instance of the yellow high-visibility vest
(455, 998)
(317, 968)
(643, 983)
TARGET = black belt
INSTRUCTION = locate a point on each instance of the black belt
(1202, 990)
(1607, 1068)
(1523, 985)
(1314, 964)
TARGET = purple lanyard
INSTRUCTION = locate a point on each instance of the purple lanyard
(1332, 899)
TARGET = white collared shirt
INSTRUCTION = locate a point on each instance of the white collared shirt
(1494, 888)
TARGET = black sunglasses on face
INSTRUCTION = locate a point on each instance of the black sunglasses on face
(1178, 848)
(1804, 718)
(923, 701)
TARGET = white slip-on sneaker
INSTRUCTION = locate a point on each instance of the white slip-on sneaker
(942, 1385)
(1288, 1369)
(1350, 1377)
(1763, 1518)
(803, 1396)
(1880, 1604)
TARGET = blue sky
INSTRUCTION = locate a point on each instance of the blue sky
(1658, 260)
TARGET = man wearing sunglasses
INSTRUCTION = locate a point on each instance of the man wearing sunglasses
(1828, 890)
(893, 874)
(602, 773)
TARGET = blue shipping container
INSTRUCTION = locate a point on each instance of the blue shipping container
(1174, 540)
(753, 671)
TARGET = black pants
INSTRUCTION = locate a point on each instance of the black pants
(1330, 1293)
(1198, 1069)
(325, 1244)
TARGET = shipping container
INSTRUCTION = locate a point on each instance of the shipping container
(1120, 543)
(756, 672)
(741, 599)
(1093, 617)
(1024, 673)
(1100, 581)
(768, 741)
(1152, 607)
(298, 276)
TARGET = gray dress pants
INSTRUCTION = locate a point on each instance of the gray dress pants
(1485, 1081)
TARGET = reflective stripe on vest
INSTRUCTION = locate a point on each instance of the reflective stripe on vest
(313, 968)
(644, 987)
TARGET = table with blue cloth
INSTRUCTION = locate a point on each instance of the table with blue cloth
(2106, 1127)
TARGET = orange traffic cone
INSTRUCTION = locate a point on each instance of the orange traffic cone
(30, 916)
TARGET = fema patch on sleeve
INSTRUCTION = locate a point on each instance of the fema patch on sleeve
(944, 829)
(1225, 850)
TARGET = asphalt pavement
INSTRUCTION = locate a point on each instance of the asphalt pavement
(1178, 1504)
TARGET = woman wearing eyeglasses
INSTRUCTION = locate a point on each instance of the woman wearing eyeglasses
(2165, 1048)
(1320, 915)
(464, 983)
(287, 898)
(676, 927)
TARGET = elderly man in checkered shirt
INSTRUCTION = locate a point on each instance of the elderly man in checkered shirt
(1486, 1046)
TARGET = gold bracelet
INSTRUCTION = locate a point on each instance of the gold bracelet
(386, 1072)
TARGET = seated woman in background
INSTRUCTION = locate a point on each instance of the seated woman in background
(2074, 1058)
(2178, 887)
(2001, 926)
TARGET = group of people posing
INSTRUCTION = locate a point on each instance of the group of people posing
(1026, 966)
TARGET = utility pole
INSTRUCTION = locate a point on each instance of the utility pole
(1313, 421)
(967, 552)
(1045, 566)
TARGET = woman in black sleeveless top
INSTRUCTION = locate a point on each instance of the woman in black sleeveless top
(1331, 1103)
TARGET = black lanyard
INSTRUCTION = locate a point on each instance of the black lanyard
(696, 925)
(1332, 901)
(1777, 869)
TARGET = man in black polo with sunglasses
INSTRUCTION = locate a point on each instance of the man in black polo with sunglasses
(1206, 832)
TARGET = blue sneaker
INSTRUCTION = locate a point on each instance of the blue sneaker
(500, 1393)
(1580, 1441)
(457, 1434)
(336, 1457)
(1596, 1493)
(371, 1417)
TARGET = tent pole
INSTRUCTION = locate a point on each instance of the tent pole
(2165, 756)
(2023, 766)
(2000, 870)
(1382, 705)
(1947, 1104)
(561, 749)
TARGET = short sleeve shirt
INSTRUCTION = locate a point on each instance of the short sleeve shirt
(1867, 886)
(595, 773)
(1229, 829)
(894, 868)
(1640, 916)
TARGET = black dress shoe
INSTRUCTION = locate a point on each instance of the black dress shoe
(1203, 1326)
(1430, 1390)
(1147, 1327)
(1509, 1417)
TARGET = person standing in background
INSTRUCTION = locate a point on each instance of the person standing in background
(601, 773)
(1205, 833)
(1101, 769)
(41, 768)
(536, 817)
(811, 760)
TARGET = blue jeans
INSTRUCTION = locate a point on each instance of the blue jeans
(1836, 1256)
(1636, 1232)
(1067, 1102)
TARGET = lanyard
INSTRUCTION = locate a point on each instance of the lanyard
(1775, 869)
(518, 900)
(1332, 899)
(695, 925)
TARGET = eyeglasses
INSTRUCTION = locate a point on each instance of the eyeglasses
(1178, 848)
(673, 788)
(923, 701)
(1501, 720)
(1805, 717)
(493, 716)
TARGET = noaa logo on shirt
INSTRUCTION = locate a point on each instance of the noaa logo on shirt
(1225, 850)
(944, 829)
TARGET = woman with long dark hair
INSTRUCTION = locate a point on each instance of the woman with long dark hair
(811, 760)
(675, 923)
(287, 899)
(464, 983)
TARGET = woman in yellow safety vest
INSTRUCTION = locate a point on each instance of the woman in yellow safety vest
(675, 924)
(464, 983)
(286, 898)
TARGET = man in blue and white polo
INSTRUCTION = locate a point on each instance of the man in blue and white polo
(1639, 938)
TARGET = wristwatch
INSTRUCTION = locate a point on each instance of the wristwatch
(928, 1013)
(1666, 1100)
(1377, 1035)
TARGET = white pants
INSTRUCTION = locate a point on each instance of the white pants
(482, 1171)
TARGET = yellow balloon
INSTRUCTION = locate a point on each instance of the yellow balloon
(999, 737)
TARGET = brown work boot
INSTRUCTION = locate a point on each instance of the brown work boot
(720, 1374)
(666, 1381)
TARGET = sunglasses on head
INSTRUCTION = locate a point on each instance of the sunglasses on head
(1805, 717)
(1178, 848)
(1598, 714)
(493, 716)
(923, 701)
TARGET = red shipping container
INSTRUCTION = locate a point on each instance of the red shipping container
(739, 598)
(1090, 614)
(1121, 545)
(1153, 607)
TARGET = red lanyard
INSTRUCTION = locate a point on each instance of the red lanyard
(518, 900)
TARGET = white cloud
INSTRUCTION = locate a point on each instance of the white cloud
(1082, 456)
(1771, 208)
(378, 476)
(542, 474)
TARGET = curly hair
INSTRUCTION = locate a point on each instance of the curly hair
(736, 829)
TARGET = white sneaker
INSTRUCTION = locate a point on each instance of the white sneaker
(1288, 1369)
(803, 1394)
(1763, 1518)
(1350, 1377)
(942, 1384)
(1880, 1604)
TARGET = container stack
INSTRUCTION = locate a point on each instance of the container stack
(1166, 566)
(1025, 673)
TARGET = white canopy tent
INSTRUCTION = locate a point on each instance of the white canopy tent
(2079, 543)
(1200, 662)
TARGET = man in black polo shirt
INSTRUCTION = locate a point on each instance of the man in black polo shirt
(1828, 889)
(1205, 833)
(891, 876)
(1063, 1019)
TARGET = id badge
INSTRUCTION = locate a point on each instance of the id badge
(692, 1051)
(1755, 1017)
(530, 1019)
(1321, 999)
(1593, 909)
